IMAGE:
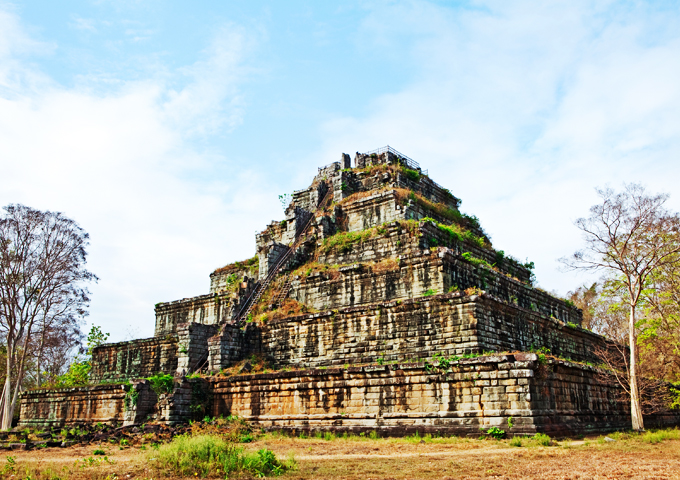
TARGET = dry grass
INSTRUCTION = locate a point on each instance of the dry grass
(250, 264)
(315, 267)
(653, 455)
(385, 266)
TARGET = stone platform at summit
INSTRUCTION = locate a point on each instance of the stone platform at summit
(375, 304)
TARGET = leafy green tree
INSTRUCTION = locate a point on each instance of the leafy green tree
(78, 373)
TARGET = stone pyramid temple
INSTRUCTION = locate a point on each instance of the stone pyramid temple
(375, 304)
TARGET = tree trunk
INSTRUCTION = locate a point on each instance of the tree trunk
(635, 407)
(6, 423)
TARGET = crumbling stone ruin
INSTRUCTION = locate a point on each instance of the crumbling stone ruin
(375, 304)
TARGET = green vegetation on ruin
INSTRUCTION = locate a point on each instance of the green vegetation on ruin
(252, 265)
(343, 242)
(441, 209)
(458, 234)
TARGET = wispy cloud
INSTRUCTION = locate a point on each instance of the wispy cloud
(523, 108)
(119, 163)
(80, 23)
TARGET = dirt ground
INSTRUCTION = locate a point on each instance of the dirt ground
(384, 459)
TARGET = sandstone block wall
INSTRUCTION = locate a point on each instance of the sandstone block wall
(401, 399)
(208, 309)
(140, 403)
(358, 285)
(450, 324)
(422, 271)
(189, 400)
(135, 359)
(219, 278)
(48, 408)
(425, 186)
(231, 344)
(193, 346)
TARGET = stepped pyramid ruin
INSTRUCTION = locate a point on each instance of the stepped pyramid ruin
(375, 304)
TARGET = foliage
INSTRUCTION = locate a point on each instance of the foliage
(42, 267)
(441, 209)
(631, 236)
(658, 436)
(250, 265)
(516, 441)
(412, 175)
(343, 242)
(78, 373)
(476, 261)
(495, 432)
(429, 292)
(131, 397)
(457, 234)
(95, 338)
(675, 396)
(285, 200)
(210, 455)
(162, 383)
(542, 439)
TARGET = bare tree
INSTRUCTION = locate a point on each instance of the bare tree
(630, 234)
(42, 278)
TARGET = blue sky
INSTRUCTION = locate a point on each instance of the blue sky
(168, 129)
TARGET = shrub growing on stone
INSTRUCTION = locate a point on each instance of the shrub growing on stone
(161, 383)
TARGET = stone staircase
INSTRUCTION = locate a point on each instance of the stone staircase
(281, 264)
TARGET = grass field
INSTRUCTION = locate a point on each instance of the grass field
(651, 455)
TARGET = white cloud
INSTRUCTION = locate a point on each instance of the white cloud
(521, 109)
(121, 165)
(80, 23)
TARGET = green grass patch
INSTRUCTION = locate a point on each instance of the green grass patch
(457, 233)
(658, 436)
(210, 455)
(344, 242)
(251, 264)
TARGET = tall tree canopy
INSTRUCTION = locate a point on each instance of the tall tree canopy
(631, 235)
(43, 294)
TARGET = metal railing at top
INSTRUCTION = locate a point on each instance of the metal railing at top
(407, 160)
(409, 163)
(326, 166)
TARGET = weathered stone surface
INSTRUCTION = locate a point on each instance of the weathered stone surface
(140, 402)
(135, 359)
(211, 309)
(406, 291)
(559, 399)
(420, 272)
(451, 324)
(193, 346)
(46, 408)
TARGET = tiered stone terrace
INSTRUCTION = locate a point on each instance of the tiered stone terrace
(392, 276)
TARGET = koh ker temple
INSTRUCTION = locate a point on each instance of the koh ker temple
(374, 305)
